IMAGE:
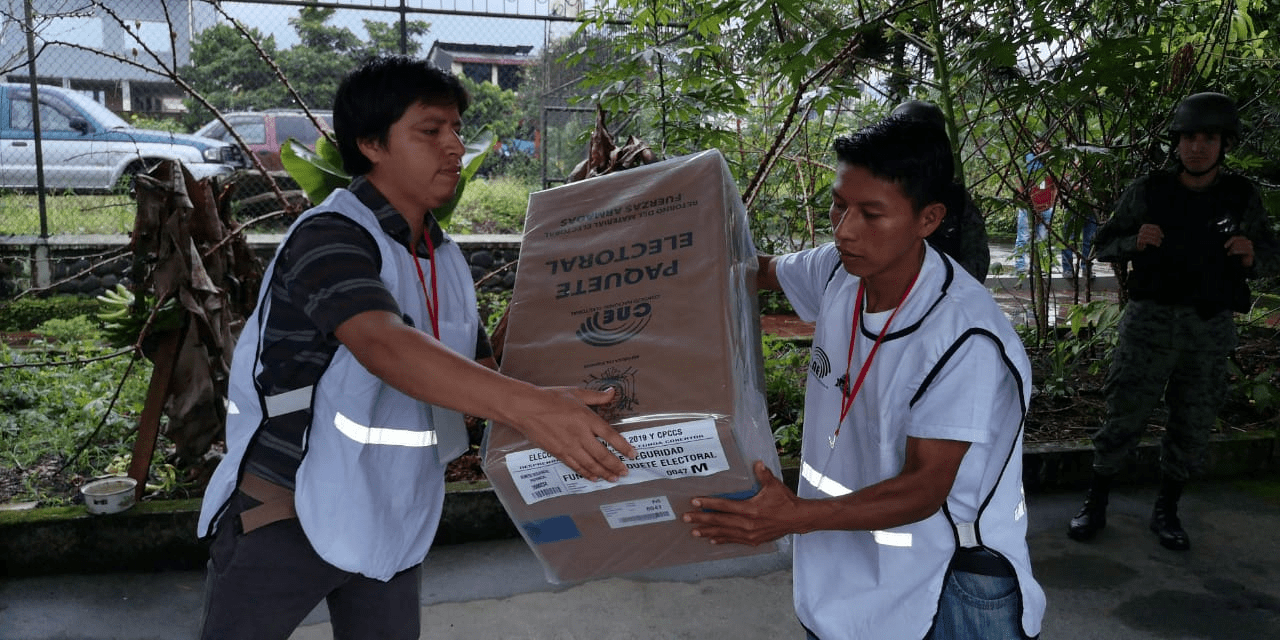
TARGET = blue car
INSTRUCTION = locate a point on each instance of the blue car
(88, 148)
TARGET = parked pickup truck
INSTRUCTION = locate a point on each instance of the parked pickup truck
(86, 147)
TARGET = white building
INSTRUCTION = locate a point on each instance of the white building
(496, 64)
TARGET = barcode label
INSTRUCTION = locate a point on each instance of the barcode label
(634, 512)
(547, 493)
(645, 517)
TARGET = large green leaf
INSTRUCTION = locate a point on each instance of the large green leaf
(319, 172)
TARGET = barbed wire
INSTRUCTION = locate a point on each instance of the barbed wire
(63, 363)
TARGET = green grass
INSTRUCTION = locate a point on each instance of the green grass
(66, 214)
(487, 206)
(496, 205)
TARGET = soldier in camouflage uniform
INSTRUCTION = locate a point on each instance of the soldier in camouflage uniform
(1193, 236)
(963, 232)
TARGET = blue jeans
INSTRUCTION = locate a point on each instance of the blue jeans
(978, 606)
(1069, 264)
(1022, 241)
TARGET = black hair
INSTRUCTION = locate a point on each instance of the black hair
(377, 93)
(912, 154)
(921, 110)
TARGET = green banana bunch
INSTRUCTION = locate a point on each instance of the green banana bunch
(116, 303)
(122, 319)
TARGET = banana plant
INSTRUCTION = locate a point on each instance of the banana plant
(319, 172)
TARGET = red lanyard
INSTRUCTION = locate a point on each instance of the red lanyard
(846, 394)
(432, 310)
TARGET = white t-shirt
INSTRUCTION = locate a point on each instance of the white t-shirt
(952, 368)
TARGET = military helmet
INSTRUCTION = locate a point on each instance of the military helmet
(922, 111)
(1207, 112)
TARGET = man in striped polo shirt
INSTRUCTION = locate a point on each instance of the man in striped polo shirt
(350, 381)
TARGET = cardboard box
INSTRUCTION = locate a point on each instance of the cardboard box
(642, 280)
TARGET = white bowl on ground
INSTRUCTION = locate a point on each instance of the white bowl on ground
(109, 495)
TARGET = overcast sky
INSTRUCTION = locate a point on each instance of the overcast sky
(274, 19)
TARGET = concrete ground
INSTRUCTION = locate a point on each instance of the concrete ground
(1123, 585)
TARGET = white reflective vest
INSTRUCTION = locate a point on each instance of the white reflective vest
(887, 584)
(370, 489)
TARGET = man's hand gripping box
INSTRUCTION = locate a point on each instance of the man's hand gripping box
(644, 281)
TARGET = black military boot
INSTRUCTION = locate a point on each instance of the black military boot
(1164, 517)
(1093, 516)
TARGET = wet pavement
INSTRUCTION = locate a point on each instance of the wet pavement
(1122, 585)
(1013, 292)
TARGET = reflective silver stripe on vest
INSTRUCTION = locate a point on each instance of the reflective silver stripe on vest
(822, 483)
(288, 402)
(383, 436)
(892, 538)
(835, 490)
(280, 404)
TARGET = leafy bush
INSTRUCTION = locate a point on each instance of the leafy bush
(66, 331)
(1259, 390)
(786, 364)
(158, 124)
(56, 397)
(774, 303)
(48, 412)
(1085, 345)
(492, 304)
(515, 166)
(24, 314)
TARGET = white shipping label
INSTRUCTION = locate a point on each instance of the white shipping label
(634, 512)
(681, 450)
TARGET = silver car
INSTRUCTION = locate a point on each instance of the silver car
(86, 147)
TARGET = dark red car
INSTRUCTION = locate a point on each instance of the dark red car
(264, 131)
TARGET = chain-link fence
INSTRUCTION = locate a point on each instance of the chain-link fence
(94, 91)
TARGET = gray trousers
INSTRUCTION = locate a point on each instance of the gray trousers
(262, 584)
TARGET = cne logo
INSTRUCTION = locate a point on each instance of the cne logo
(819, 364)
(615, 325)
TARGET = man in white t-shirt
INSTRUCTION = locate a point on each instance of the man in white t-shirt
(910, 510)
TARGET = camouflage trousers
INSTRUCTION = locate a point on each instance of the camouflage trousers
(1170, 351)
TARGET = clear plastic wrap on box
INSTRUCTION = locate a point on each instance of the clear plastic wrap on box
(644, 281)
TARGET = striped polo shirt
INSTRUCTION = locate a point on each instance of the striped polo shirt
(326, 273)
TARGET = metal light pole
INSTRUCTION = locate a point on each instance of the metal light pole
(42, 267)
(35, 117)
(404, 34)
